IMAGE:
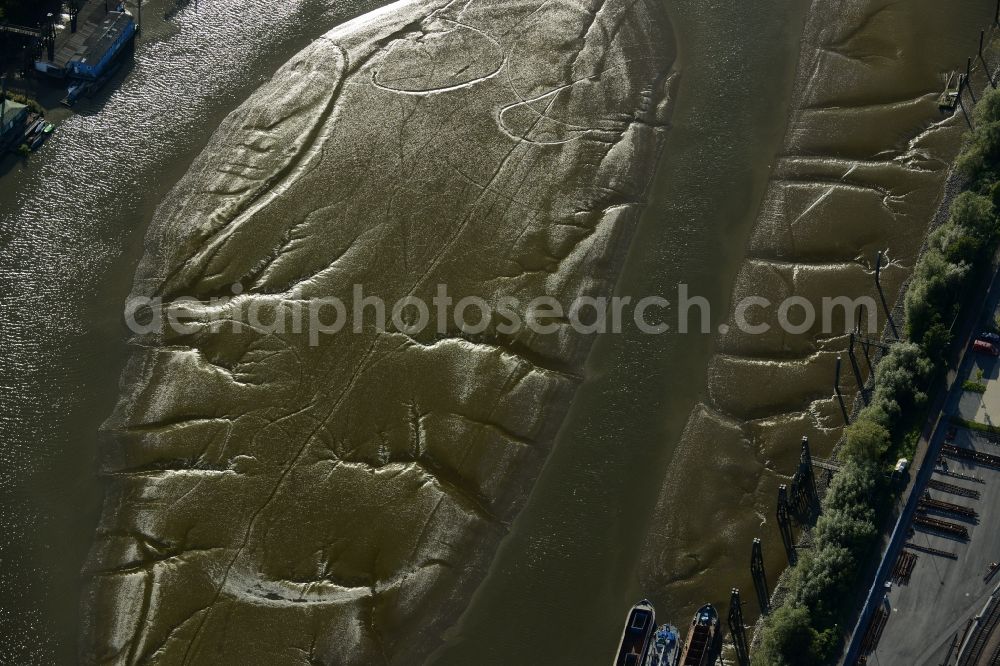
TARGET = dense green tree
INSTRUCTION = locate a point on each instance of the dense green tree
(794, 642)
(866, 440)
(973, 219)
(988, 109)
(822, 578)
(936, 342)
(789, 643)
(967, 239)
(933, 294)
(901, 379)
(853, 486)
(980, 155)
(844, 533)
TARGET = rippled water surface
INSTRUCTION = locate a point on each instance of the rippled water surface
(71, 227)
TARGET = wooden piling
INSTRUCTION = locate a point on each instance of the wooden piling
(738, 629)
(785, 523)
(840, 396)
(982, 58)
(759, 576)
(881, 294)
(857, 370)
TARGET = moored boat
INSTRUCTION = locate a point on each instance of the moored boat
(666, 647)
(35, 128)
(701, 637)
(636, 636)
(73, 93)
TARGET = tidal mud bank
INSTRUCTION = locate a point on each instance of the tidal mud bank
(273, 500)
(864, 162)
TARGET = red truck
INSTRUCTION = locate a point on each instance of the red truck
(984, 347)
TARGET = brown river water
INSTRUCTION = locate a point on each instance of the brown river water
(666, 465)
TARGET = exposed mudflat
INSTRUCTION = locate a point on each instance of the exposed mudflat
(271, 501)
(275, 501)
(865, 157)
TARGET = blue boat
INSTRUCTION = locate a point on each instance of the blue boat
(666, 648)
(99, 51)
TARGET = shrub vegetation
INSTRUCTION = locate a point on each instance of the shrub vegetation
(975, 387)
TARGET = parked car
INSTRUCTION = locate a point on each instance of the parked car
(984, 347)
(990, 337)
(899, 473)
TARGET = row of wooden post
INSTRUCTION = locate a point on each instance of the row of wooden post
(866, 344)
(758, 573)
(967, 81)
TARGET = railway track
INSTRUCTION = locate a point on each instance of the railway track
(973, 653)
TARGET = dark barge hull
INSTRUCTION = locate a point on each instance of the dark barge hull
(701, 638)
(636, 636)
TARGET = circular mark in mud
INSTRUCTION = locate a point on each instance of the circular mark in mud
(523, 122)
(441, 56)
